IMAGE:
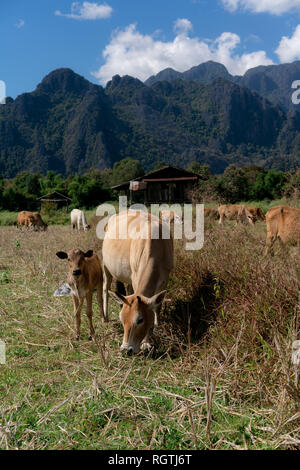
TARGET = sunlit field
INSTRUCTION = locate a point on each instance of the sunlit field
(219, 375)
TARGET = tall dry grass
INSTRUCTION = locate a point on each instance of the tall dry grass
(220, 376)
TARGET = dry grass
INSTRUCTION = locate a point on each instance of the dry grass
(219, 378)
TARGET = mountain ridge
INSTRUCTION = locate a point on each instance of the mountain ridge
(69, 124)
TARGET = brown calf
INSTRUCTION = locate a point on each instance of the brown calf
(85, 275)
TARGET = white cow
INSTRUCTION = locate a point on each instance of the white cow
(78, 218)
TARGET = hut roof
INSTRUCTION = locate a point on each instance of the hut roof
(54, 197)
(166, 173)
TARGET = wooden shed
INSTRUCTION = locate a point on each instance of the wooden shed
(169, 184)
(56, 199)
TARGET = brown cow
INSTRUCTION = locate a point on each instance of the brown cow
(211, 213)
(38, 222)
(257, 213)
(85, 275)
(283, 223)
(31, 219)
(236, 212)
(144, 262)
(25, 218)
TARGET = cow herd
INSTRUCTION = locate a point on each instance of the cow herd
(283, 222)
(144, 263)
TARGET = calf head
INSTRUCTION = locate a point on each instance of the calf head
(137, 316)
(76, 260)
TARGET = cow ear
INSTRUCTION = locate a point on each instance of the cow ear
(62, 255)
(121, 299)
(156, 299)
(88, 254)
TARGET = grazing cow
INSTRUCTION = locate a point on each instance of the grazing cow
(31, 219)
(211, 213)
(78, 218)
(257, 213)
(143, 262)
(85, 275)
(38, 222)
(24, 218)
(283, 223)
(235, 212)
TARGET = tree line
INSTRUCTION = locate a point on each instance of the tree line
(94, 187)
(251, 183)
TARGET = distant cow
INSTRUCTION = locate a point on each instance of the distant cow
(85, 275)
(31, 219)
(24, 219)
(211, 213)
(78, 219)
(283, 223)
(236, 212)
(257, 213)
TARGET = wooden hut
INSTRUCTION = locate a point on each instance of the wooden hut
(169, 184)
(56, 199)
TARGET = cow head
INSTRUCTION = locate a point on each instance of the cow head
(76, 260)
(86, 228)
(261, 215)
(247, 216)
(137, 316)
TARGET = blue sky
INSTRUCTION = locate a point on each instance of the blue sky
(139, 38)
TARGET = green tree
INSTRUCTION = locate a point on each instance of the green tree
(125, 170)
(202, 170)
(87, 192)
(269, 185)
(52, 182)
(234, 185)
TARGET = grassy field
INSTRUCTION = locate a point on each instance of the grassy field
(220, 376)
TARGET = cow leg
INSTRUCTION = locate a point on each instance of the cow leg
(100, 302)
(107, 278)
(89, 312)
(77, 303)
(221, 220)
(269, 244)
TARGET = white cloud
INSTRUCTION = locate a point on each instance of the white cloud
(87, 11)
(20, 24)
(276, 7)
(132, 53)
(289, 48)
(182, 25)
